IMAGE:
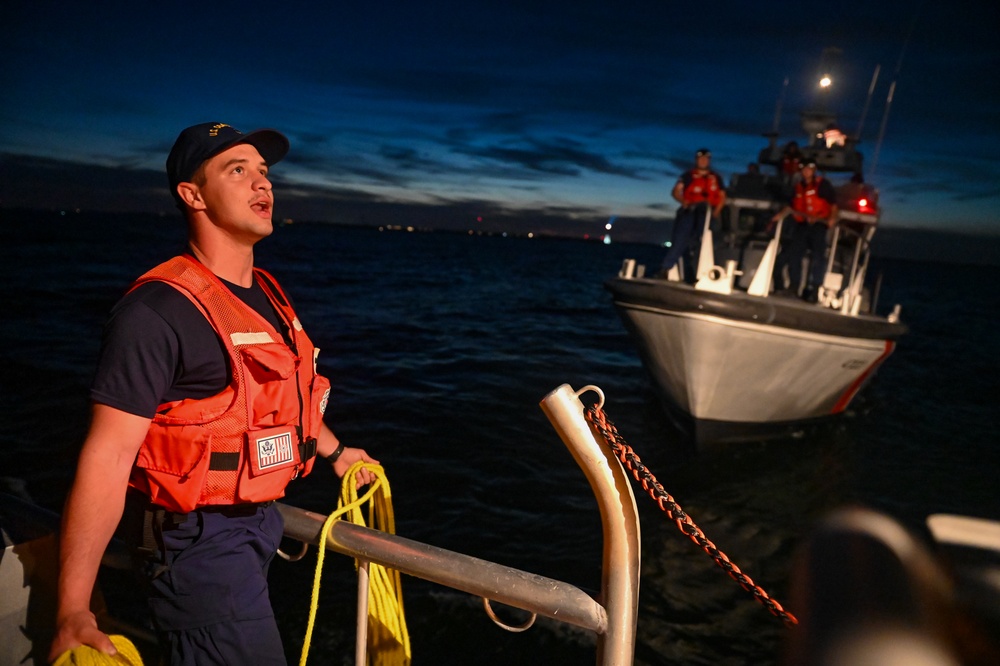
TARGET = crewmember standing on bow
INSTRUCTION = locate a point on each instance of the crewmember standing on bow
(698, 190)
(814, 208)
(206, 404)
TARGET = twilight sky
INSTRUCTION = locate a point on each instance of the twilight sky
(578, 109)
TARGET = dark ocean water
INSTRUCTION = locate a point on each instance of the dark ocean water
(440, 347)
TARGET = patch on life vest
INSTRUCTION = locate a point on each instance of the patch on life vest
(274, 451)
(323, 402)
(250, 338)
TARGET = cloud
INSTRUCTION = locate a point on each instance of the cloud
(580, 103)
(51, 184)
(563, 157)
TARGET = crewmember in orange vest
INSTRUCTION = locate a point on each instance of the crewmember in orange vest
(814, 209)
(207, 402)
(698, 190)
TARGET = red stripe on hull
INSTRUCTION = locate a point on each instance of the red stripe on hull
(848, 395)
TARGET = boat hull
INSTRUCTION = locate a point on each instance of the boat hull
(735, 358)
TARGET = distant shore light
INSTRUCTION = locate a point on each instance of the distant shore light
(826, 81)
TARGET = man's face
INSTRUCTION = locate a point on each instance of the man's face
(236, 193)
(808, 172)
(702, 161)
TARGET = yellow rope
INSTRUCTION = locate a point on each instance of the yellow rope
(388, 639)
(88, 656)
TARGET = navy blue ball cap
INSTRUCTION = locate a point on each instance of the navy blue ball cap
(200, 142)
(703, 152)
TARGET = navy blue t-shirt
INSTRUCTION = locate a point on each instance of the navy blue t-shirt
(158, 347)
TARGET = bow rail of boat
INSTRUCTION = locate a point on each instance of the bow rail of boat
(613, 623)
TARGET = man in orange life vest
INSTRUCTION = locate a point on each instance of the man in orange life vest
(814, 208)
(697, 190)
(206, 404)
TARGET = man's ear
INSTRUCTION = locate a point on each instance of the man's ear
(190, 194)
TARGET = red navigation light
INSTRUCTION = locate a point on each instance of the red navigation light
(865, 205)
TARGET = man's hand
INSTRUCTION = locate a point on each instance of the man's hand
(348, 458)
(78, 629)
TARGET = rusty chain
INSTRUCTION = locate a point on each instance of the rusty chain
(595, 415)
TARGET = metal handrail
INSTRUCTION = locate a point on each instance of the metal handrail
(614, 623)
(482, 578)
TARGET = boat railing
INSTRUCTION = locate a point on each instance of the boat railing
(842, 289)
(843, 285)
(613, 623)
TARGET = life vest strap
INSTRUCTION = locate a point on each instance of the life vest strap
(230, 462)
(224, 462)
(308, 449)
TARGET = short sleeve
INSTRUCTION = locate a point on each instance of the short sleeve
(139, 356)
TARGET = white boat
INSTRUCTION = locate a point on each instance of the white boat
(735, 359)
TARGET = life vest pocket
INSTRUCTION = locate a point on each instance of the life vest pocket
(271, 392)
(174, 461)
(270, 362)
(272, 461)
(271, 449)
(320, 398)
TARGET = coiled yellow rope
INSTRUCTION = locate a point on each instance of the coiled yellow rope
(88, 656)
(388, 639)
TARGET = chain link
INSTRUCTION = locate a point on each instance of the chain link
(595, 415)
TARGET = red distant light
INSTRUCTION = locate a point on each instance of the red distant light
(865, 205)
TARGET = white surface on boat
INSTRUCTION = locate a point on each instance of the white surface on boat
(27, 601)
(709, 364)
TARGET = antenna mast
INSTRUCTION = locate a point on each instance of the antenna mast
(892, 90)
(777, 106)
(868, 101)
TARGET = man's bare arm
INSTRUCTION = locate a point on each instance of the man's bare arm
(93, 510)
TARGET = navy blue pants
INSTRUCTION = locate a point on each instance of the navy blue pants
(209, 598)
(805, 237)
(688, 225)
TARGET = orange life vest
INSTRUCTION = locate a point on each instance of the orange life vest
(702, 187)
(245, 444)
(808, 203)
